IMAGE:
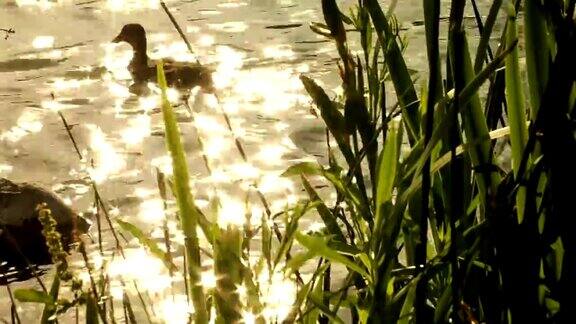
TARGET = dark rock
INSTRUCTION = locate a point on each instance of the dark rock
(21, 240)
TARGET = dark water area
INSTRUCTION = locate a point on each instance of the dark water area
(61, 59)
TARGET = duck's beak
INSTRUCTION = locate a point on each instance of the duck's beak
(118, 38)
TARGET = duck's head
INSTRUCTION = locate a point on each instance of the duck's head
(133, 34)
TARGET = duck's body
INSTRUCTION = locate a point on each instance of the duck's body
(178, 74)
(21, 238)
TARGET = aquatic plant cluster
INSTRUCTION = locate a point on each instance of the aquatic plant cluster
(420, 222)
(429, 226)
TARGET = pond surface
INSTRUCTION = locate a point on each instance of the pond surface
(61, 59)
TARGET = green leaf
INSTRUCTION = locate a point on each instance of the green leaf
(472, 114)
(266, 240)
(327, 216)
(387, 173)
(312, 316)
(366, 261)
(331, 116)
(443, 306)
(537, 48)
(387, 165)
(325, 309)
(150, 244)
(50, 309)
(516, 108)
(333, 19)
(343, 248)
(351, 193)
(303, 168)
(484, 43)
(319, 246)
(298, 260)
(398, 70)
(408, 306)
(291, 230)
(33, 296)
(347, 20)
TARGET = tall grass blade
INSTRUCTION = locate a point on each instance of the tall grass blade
(327, 216)
(49, 312)
(331, 116)
(484, 43)
(187, 210)
(516, 108)
(473, 120)
(407, 312)
(431, 95)
(405, 89)
(387, 172)
(538, 54)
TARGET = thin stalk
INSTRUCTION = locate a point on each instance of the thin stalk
(485, 33)
(107, 218)
(323, 319)
(175, 23)
(128, 312)
(97, 195)
(98, 220)
(111, 310)
(480, 26)
(67, 127)
(472, 115)
(403, 84)
(13, 304)
(141, 298)
(104, 209)
(94, 290)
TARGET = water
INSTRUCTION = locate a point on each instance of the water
(61, 59)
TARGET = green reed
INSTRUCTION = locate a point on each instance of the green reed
(188, 212)
(439, 231)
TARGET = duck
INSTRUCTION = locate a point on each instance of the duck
(181, 75)
(22, 243)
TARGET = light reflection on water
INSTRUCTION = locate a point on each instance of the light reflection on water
(43, 4)
(131, 5)
(28, 123)
(106, 161)
(43, 42)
